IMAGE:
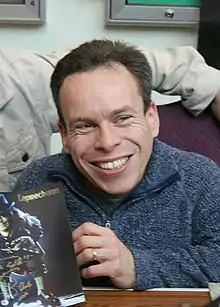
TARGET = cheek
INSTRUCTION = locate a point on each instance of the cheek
(139, 134)
(78, 146)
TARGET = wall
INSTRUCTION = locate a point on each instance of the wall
(69, 22)
(73, 21)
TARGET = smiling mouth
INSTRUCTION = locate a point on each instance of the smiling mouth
(113, 165)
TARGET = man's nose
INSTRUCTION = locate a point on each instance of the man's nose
(107, 138)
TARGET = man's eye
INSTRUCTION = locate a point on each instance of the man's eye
(124, 118)
(85, 126)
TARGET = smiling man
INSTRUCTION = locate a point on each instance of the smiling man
(110, 135)
(143, 214)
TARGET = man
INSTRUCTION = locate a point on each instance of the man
(28, 114)
(143, 214)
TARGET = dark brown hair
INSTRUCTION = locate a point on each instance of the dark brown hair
(103, 52)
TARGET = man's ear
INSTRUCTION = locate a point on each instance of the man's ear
(153, 119)
(64, 137)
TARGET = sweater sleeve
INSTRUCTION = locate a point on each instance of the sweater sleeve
(197, 263)
(189, 267)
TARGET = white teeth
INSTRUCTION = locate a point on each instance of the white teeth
(114, 164)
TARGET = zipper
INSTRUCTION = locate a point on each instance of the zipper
(108, 224)
(65, 177)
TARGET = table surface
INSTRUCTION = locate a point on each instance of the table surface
(111, 298)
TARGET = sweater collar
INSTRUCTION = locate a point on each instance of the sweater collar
(161, 171)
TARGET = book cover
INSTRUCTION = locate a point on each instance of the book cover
(37, 260)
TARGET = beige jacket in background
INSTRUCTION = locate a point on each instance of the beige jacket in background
(28, 116)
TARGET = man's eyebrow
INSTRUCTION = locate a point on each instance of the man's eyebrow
(122, 110)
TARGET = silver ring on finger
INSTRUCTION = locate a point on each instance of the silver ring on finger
(94, 255)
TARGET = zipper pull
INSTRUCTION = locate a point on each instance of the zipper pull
(108, 224)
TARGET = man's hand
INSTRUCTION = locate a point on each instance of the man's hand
(216, 106)
(93, 242)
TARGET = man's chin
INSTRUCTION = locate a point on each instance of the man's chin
(115, 189)
(113, 185)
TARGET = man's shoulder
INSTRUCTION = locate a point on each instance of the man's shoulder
(198, 175)
(49, 162)
(37, 173)
(193, 164)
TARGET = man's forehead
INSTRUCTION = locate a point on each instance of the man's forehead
(87, 97)
(102, 79)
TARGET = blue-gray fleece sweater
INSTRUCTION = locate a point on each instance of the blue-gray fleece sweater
(170, 221)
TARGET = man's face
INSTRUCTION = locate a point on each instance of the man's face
(4, 224)
(107, 133)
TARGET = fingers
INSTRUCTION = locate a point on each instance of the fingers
(102, 269)
(95, 243)
(101, 255)
(89, 229)
(88, 242)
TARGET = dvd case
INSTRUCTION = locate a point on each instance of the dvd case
(37, 260)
